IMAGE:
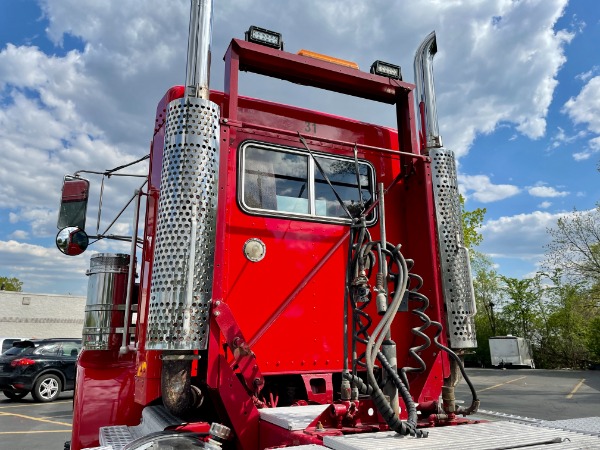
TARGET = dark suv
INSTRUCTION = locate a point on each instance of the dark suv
(44, 367)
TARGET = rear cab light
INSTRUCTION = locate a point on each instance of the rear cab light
(22, 362)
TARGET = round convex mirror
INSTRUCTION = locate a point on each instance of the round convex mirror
(72, 241)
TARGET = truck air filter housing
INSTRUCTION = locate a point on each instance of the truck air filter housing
(105, 305)
(182, 272)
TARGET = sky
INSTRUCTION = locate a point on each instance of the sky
(517, 84)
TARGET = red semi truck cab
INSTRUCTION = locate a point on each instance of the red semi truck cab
(290, 259)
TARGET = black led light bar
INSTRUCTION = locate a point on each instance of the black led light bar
(264, 37)
(386, 70)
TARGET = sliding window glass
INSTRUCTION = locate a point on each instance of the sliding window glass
(287, 182)
(341, 173)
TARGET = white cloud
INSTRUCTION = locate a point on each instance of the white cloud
(43, 268)
(585, 109)
(545, 205)
(481, 188)
(595, 143)
(585, 76)
(593, 148)
(561, 137)
(545, 191)
(583, 155)
(19, 234)
(522, 236)
(521, 239)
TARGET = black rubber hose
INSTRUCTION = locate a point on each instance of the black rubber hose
(475, 400)
(405, 394)
(384, 408)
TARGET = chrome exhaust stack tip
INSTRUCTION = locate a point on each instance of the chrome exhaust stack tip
(199, 49)
(425, 94)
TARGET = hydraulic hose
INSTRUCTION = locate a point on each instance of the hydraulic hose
(474, 398)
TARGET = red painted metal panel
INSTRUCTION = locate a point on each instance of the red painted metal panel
(75, 190)
(103, 396)
(240, 408)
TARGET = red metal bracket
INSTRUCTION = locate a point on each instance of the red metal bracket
(319, 387)
(244, 357)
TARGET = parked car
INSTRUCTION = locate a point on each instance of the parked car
(44, 367)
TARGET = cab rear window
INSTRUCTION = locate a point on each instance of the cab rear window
(288, 182)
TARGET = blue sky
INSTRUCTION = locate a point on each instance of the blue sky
(518, 86)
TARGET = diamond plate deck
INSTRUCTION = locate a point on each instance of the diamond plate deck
(483, 436)
(292, 418)
(587, 425)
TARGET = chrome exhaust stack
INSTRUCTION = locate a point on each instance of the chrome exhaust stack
(454, 256)
(182, 271)
(429, 135)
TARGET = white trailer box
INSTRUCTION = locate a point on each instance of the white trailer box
(510, 351)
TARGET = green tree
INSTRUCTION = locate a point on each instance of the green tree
(488, 321)
(594, 339)
(471, 222)
(10, 284)
(570, 327)
(483, 276)
(524, 311)
(486, 285)
(566, 340)
(575, 246)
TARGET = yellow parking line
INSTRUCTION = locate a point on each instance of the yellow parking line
(34, 418)
(28, 405)
(501, 384)
(32, 432)
(576, 388)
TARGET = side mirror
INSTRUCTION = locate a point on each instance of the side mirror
(72, 241)
(73, 202)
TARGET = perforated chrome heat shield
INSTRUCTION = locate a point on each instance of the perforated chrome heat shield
(182, 273)
(456, 276)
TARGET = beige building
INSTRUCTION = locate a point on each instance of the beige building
(40, 315)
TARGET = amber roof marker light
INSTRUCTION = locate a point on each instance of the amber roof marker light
(331, 59)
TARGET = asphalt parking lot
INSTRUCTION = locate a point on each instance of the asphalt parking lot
(27, 425)
(536, 393)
